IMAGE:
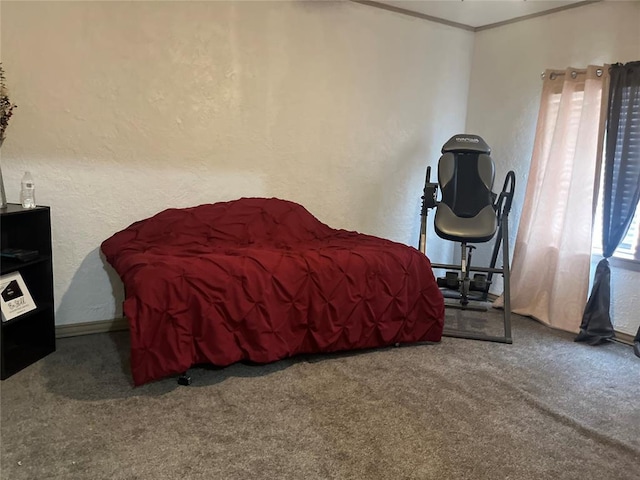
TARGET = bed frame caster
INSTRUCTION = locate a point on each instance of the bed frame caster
(184, 379)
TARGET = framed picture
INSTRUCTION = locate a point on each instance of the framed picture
(14, 296)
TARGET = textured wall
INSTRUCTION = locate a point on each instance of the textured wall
(505, 88)
(128, 108)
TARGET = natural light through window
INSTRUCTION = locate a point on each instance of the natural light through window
(627, 144)
(629, 248)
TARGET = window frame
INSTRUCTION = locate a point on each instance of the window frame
(621, 259)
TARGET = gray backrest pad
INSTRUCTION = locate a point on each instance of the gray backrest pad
(466, 180)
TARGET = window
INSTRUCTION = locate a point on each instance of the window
(629, 248)
(622, 155)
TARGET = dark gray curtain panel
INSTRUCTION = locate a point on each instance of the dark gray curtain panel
(621, 192)
(622, 155)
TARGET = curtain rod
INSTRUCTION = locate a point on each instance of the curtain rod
(574, 74)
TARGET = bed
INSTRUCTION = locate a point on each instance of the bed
(262, 279)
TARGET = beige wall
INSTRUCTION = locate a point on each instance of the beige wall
(128, 108)
(505, 91)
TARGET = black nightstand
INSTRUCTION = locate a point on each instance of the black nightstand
(30, 336)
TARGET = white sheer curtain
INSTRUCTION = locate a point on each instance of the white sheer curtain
(551, 259)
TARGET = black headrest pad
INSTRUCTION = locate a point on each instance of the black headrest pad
(465, 142)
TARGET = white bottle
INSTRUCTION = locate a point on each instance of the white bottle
(28, 191)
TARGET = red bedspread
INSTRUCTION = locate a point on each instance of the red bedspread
(262, 279)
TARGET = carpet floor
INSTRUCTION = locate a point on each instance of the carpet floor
(542, 408)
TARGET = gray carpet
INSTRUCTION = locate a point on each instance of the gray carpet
(542, 408)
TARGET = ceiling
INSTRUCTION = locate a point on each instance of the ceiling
(479, 13)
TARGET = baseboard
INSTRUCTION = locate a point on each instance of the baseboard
(88, 328)
(620, 337)
(119, 324)
(624, 338)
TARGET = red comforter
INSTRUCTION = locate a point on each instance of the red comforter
(262, 279)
